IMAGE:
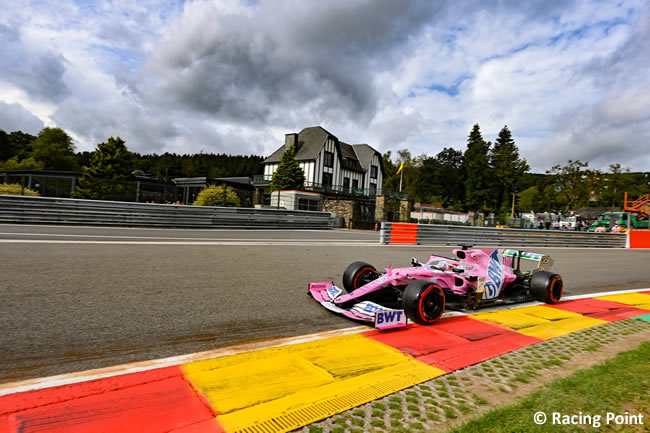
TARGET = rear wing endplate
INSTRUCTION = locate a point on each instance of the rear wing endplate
(544, 262)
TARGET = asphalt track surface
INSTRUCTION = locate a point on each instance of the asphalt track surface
(77, 298)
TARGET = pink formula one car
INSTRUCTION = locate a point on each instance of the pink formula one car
(421, 292)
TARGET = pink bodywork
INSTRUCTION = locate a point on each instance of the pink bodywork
(489, 265)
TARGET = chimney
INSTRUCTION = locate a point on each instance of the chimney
(291, 140)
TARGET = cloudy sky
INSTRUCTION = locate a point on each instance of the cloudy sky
(571, 79)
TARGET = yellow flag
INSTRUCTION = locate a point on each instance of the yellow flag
(400, 168)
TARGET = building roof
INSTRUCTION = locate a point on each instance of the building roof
(310, 142)
(349, 159)
(365, 154)
(245, 180)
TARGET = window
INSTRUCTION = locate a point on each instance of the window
(328, 161)
(355, 184)
(373, 172)
(327, 179)
(308, 204)
(346, 184)
(373, 189)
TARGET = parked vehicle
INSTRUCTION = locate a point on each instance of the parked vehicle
(608, 220)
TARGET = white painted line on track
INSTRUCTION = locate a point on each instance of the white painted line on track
(515, 247)
(288, 242)
(136, 367)
(252, 230)
(339, 243)
(62, 235)
(613, 292)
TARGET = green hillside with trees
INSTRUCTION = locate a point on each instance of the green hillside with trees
(53, 149)
(488, 176)
(483, 176)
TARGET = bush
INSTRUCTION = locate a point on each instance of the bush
(214, 195)
(15, 189)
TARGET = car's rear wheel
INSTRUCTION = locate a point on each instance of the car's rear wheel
(358, 274)
(546, 287)
(423, 302)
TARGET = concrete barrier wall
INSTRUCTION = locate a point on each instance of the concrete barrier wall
(435, 234)
(48, 210)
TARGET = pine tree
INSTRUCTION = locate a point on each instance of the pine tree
(507, 169)
(477, 171)
(109, 175)
(288, 175)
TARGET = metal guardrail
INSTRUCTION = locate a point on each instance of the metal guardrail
(429, 234)
(48, 210)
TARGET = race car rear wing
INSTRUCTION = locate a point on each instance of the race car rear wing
(543, 262)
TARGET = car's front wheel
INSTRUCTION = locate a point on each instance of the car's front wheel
(358, 274)
(423, 302)
(546, 287)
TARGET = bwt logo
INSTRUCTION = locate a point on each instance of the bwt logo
(389, 317)
(333, 291)
(495, 276)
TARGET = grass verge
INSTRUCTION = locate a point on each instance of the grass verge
(619, 386)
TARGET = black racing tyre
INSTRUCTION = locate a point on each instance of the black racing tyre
(423, 302)
(546, 287)
(358, 274)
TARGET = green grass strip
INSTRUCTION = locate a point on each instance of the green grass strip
(645, 317)
(617, 386)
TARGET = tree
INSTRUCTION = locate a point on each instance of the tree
(570, 184)
(529, 200)
(16, 151)
(612, 185)
(214, 195)
(23, 164)
(20, 144)
(391, 178)
(109, 175)
(5, 149)
(477, 171)
(441, 179)
(507, 169)
(54, 148)
(288, 175)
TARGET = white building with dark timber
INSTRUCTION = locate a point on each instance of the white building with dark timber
(331, 165)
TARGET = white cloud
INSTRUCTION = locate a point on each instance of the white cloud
(570, 79)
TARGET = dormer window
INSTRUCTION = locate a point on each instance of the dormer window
(328, 160)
